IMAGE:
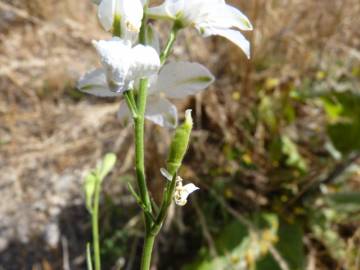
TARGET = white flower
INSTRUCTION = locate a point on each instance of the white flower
(122, 65)
(175, 80)
(209, 17)
(181, 192)
(121, 15)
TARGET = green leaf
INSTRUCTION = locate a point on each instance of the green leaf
(89, 187)
(238, 247)
(294, 159)
(267, 113)
(345, 201)
(290, 247)
(343, 110)
(107, 165)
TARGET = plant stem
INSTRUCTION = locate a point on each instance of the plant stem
(147, 251)
(129, 98)
(170, 43)
(151, 228)
(95, 226)
(139, 144)
(139, 156)
(168, 194)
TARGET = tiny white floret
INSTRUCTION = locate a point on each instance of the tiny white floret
(181, 192)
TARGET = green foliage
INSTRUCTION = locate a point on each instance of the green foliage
(89, 187)
(343, 111)
(106, 166)
(344, 201)
(239, 246)
(290, 150)
(98, 175)
(290, 247)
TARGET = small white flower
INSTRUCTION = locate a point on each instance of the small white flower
(209, 17)
(122, 65)
(181, 192)
(124, 15)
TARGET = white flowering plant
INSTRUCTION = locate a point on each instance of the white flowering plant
(137, 69)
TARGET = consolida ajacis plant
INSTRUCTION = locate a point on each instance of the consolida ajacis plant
(135, 68)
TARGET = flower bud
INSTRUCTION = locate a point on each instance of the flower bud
(179, 144)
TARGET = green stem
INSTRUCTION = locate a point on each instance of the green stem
(139, 156)
(130, 101)
(147, 252)
(95, 225)
(168, 194)
(139, 144)
(170, 43)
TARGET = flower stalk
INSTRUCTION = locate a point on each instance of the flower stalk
(140, 159)
(95, 226)
(92, 188)
(170, 43)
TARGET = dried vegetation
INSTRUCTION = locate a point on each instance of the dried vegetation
(50, 134)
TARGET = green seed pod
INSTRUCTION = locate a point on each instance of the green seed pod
(179, 144)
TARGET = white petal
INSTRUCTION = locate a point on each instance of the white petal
(106, 13)
(161, 112)
(232, 35)
(238, 19)
(189, 188)
(153, 38)
(145, 62)
(94, 83)
(220, 16)
(131, 14)
(128, 13)
(180, 79)
(116, 58)
(123, 112)
(170, 9)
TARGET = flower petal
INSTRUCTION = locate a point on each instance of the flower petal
(153, 38)
(183, 192)
(232, 35)
(180, 79)
(131, 13)
(116, 58)
(238, 19)
(170, 9)
(145, 62)
(189, 188)
(161, 112)
(106, 13)
(219, 15)
(123, 113)
(94, 83)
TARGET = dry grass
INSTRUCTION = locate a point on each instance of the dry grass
(48, 133)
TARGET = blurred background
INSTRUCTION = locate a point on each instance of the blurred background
(275, 149)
